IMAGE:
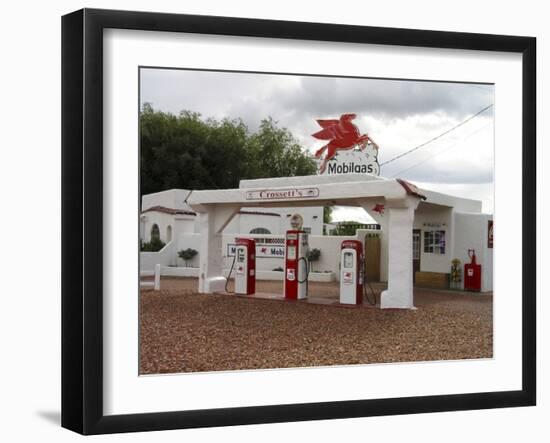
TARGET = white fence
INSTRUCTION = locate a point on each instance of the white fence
(155, 284)
(172, 271)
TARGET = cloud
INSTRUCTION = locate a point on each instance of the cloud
(398, 114)
(385, 98)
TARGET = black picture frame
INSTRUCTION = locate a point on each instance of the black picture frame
(82, 215)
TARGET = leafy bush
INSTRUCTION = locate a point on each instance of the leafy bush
(187, 254)
(155, 245)
(278, 269)
(313, 255)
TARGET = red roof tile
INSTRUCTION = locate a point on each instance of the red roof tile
(171, 211)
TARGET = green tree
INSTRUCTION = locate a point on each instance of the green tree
(187, 151)
(275, 153)
(347, 228)
(327, 214)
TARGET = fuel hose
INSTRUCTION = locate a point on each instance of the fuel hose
(230, 272)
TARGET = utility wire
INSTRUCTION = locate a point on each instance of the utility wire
(436, 137)
(441, 152)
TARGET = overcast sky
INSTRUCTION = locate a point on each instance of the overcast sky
(397, 114)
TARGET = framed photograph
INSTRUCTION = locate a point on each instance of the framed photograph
(269, 221)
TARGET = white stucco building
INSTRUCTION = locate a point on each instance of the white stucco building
(421, 231)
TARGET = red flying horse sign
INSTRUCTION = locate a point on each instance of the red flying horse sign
(343, 135)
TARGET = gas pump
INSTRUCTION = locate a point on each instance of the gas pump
(472, 273)
(296, 264)
(353, 279)
(245, 266)
(351, 272)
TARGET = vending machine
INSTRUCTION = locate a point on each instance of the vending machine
(245, 266)
(296, 264)
(352, 272)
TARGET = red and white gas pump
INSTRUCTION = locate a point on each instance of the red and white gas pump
(351, 272)
(472, 273)
(245, 266)
(296, 264)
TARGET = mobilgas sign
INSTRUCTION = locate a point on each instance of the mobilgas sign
(351, 168)
(282, 194)
(262, 251)
(346, 150)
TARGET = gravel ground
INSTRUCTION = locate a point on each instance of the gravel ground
(182, 331)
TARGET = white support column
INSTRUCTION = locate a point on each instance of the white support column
(212, 221)
(384, 249)
(382, 220)
(400, 219)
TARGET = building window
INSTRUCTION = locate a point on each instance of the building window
(155, 232)
(434, 242)
(260, 231)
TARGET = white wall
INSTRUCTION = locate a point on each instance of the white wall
(424, 216)
(185, 224)
(163, 220)
(164, 257)
(188, 241)
(472, 234)
(244, 223)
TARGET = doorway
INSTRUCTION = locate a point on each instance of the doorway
(416, 252)
(372, 257)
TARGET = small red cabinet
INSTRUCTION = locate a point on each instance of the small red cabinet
(472, 274)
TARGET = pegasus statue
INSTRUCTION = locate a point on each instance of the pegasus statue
(343, 135)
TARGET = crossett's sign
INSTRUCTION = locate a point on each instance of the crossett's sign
(282, 194)
(347, 151)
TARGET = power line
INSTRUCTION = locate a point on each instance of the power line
(436, 137)
(443, 151)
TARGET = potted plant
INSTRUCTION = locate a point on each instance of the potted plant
(187, 254)
(456, 274)
(313, 256)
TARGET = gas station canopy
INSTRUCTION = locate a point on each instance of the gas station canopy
(399, 199)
